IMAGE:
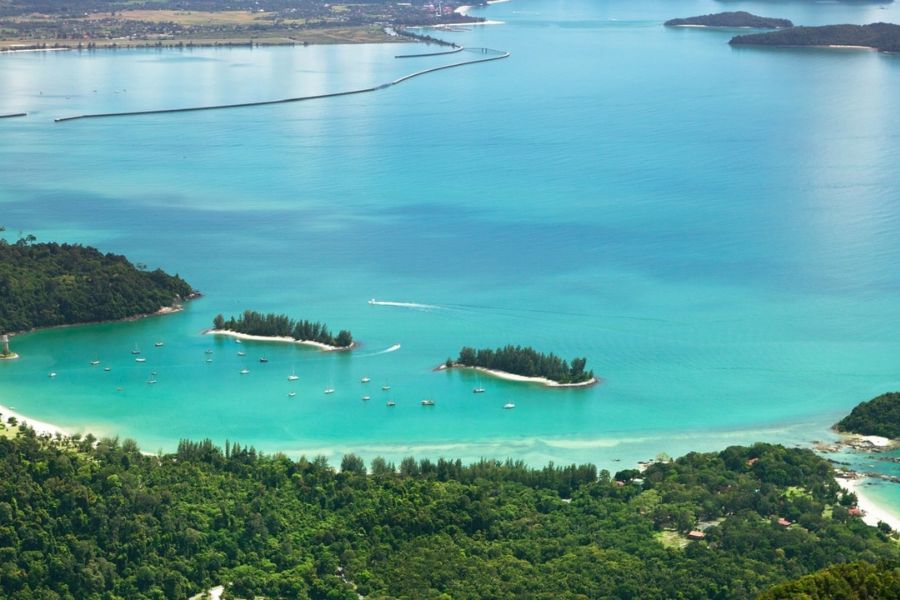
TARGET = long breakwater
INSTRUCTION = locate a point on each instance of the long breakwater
(13, 115)
(491, 55)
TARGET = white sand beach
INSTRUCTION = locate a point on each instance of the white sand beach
(873, 512)
(40, 427)
(278, 338)
(523, 378)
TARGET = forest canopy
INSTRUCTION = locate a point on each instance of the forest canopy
(731, 19)
(881, 36)
(272, 325)
(879, 416)
(524, 361)
(87, 518)
(48, 284)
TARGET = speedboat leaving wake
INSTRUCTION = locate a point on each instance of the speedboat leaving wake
(413, 305)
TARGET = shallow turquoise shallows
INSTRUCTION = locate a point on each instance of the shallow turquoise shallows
(717, 230)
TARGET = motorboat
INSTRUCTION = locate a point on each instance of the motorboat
(329, 390)
(386, 387)
(365, 397)
(291, 394)
(365, 380)
(427, 403)
(242, 353)
(244, 371)
(140, 359)
(478, 390)
(263, 359)
(509, 405)
(94, 363)
(159, 344)
(391, 403)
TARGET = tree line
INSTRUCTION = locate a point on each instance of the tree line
(49, 284)
(524, 361)
(878, 416)
(88, 518)
(881, 36)
(273, 325)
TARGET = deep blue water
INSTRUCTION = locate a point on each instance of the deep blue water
(715, 229)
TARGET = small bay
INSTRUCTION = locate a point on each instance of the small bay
(715, 229)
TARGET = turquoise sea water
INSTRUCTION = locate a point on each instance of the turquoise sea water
(716, 229)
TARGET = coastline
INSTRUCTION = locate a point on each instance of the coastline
(345, 35)
(163, 311)
(524, 379)
(279, 339)
(40, 427)
(873, 512)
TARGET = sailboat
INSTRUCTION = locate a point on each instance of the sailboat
(329, 390)
(293, 376)
(365, 380)
(94, 363)
(509, 405)
(365, 398)
(427, 403)
(158, 344)
(386, 387)
(478, 390)
(244, 371)
(136, 350)
(291, 394)
(391, 403)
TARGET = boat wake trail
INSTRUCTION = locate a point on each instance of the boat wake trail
(393, 348)
(412, 305)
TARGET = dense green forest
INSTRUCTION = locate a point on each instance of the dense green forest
(732, 19)
(879, 416)
(881, 36)
(43, 285)
(271, 325)
(86, 519)
(852, 581)
(524, 361)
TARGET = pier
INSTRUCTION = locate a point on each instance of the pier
(495, 55)
(13, 115)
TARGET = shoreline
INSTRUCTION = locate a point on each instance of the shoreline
(873, 512)
(163, 311)
(40, 427)
(523, 378)
(279, 339)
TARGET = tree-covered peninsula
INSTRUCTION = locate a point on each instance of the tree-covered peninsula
(731, 19)
(279, 326)
(525, 362)
(83, 518)
(49, 284)
(880, 36)
(879, 416)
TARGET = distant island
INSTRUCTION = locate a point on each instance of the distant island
(50, 284)
(731, 19)
(281, 328)
(517, 363)
(879, 416)
(880, 36)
